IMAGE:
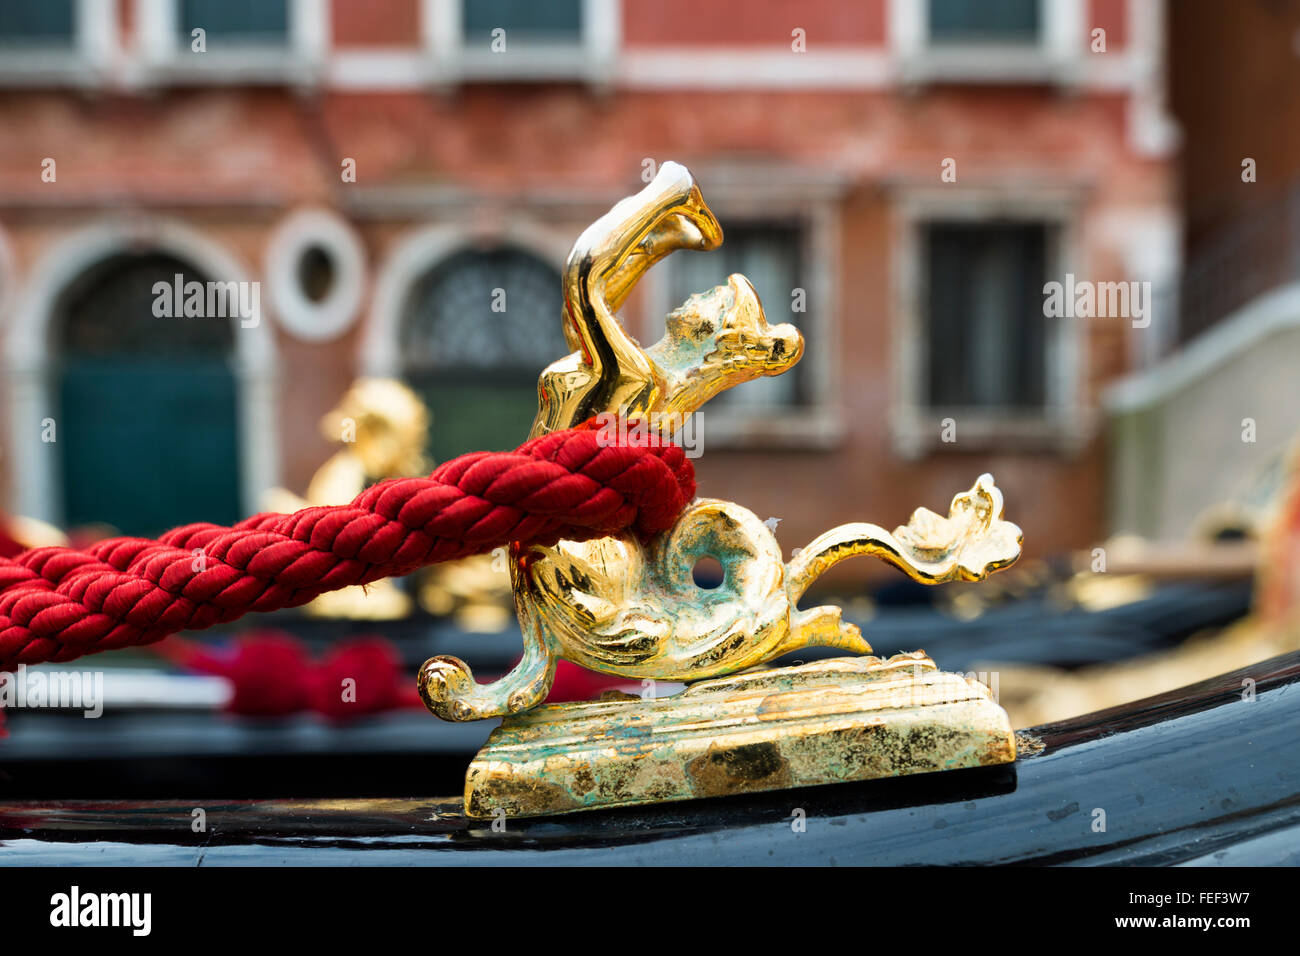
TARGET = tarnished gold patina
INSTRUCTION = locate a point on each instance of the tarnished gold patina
(818, 723)
(620, 607)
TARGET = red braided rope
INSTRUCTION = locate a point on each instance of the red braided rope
(57, 604)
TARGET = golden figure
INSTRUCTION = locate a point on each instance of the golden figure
(620, 607)
(381, 426)
(617, 607)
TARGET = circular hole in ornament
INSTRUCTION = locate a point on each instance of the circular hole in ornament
(708, 573)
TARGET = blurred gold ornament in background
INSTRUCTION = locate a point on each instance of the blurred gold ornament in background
(474, 592)
(384, 429)
(1263, 521)
(34, 533)
(382, 426)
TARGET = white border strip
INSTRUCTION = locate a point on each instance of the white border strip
(1266, 315)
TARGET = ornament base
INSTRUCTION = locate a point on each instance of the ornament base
(832, 721)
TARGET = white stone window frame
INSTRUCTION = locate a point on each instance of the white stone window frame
(424, 248)
(86, 63)
(290, 240)
(28, 383)
(810, 202)
(8, 275)
(591, 60)
(165, 59)
(1065, 422)
(1056, 58)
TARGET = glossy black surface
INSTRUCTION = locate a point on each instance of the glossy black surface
(1205, 775)
(147, 754)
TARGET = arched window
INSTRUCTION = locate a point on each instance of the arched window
(476, 331)
(146, 429)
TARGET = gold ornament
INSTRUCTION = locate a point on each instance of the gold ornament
(619, 607)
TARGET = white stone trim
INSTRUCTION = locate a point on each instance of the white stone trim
(1064, 30)
(712, 68)
(1065, 422)
(602, 35)
(421, 250)
(591, 59)
(730, 68)
(1062, 58)
(28, 389)
(438, 56)
(1054, 59)
(294, 235)
(163, 59)
(844, 68)
(1152, 128)
(95, 48)
(1266, 315)
(8, 278)
(360, 69)
(905, 28)
(441, 32)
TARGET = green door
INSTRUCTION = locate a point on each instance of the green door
(148, 444)
(146, 429)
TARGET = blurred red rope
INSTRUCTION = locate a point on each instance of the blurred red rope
(272, 674)
(57, 604)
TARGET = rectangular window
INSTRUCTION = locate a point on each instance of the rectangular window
(986, 335)
(771, 257)
(524, 41)
(37, 24)
(556, 22)
(241, 23)
(988, 21)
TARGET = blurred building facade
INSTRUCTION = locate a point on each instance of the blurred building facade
(403, 179)
(1201, 437)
